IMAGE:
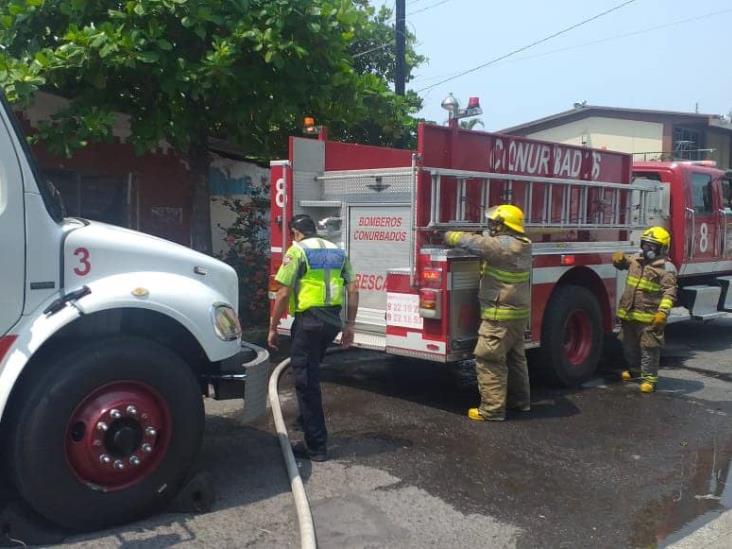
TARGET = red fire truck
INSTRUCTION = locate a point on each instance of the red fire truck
(388, 208)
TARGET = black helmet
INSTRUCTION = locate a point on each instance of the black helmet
(303, 223)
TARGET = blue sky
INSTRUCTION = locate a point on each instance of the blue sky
(670, 68)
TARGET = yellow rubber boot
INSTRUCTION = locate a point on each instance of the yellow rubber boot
(474, 414)
(647, 387)
(625, 375)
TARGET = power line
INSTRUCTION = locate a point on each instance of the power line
(371, 50)
(598, 41)
(626, 35)
(528, 46)
(375, 48)
(389, 44)
(427, 8)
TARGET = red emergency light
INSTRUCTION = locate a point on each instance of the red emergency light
(473, 102)
(428, 299)
(430, 303)
(431, 277)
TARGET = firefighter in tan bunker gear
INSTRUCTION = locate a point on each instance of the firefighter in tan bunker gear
(650, 292)
(500, 360)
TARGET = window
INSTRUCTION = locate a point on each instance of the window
(687, 144)
(701, 193)
(653, 176)
(726, 193)
(99, 198)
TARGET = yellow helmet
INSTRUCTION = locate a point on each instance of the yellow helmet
(509, 215)
(657, 235)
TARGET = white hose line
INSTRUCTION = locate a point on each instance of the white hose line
(304, 516)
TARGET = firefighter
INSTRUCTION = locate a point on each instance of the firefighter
(650, 291)
(500, 361)
(313, 278)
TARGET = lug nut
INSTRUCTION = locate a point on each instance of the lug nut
(147, 448)
(151, 432)
(132, 410)
(97, 443)
(119, 465)
(134, 460)
(104, 458)
(101, 426)
(115, 414)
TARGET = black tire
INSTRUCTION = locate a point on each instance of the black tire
(569, 359)
(49, 399)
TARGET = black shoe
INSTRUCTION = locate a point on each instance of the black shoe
(300, 450)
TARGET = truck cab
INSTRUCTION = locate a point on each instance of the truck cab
(109, 338)
(699, 216)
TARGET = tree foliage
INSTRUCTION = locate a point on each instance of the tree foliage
(183, 70)
(186, 70)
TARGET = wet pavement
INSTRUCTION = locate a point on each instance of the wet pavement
(599, 466)
(602, 465)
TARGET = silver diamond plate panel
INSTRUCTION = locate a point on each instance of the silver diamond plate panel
(367, 185)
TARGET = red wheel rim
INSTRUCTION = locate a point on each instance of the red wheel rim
(577, 337)
(118, 435)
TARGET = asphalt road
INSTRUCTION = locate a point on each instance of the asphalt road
(601, 466)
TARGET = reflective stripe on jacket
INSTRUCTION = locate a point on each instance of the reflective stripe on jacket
(649, 288)
(505, 274)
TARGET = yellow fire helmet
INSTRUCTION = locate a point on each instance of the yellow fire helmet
(508, 214)
(657, 235)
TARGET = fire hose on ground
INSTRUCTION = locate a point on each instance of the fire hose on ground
(304, 516)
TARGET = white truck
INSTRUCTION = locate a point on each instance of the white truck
(108, 340)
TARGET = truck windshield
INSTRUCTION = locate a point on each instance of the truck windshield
(52, 205)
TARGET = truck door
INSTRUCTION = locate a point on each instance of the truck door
(12, 231)
(702, 217)
(725, 214)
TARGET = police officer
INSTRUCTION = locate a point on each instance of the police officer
(313, 278)
(500, 360)
(650, 292)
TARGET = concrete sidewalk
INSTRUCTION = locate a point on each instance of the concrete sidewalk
(717, 534)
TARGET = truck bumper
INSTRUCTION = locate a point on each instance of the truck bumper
(244, 375)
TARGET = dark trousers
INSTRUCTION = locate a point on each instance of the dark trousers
(311, 335)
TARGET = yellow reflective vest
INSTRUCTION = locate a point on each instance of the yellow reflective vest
(314, 268)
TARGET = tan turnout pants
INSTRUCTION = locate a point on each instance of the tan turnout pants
(642, 348)
(500, 363)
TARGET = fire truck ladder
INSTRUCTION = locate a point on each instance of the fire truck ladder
(562, 203)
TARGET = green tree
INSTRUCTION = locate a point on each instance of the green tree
(187, 70)
(374, 52)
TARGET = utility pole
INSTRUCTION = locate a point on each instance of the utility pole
(400, 37)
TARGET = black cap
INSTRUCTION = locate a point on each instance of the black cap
(303, 223)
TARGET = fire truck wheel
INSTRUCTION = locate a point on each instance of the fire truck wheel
(572, 336)
(106, 433)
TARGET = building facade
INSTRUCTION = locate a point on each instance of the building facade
(647, 134)
(152, 192)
